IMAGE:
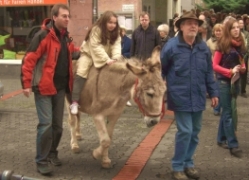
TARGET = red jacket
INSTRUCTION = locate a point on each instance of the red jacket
(38, 65)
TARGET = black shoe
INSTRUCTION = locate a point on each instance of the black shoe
(192, 173)
(243, 95)
(179, 175)
(44, 169)
(223, 145)
(236, 152)
(54, 160)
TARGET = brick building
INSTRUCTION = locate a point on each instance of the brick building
(161, 11)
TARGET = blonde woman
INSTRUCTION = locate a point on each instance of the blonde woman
(216, 35)
(212, 44)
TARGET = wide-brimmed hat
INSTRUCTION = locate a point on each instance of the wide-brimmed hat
(187, 15)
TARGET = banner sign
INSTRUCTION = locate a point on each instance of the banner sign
(5, 3)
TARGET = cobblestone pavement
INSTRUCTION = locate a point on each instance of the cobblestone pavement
(18, 122)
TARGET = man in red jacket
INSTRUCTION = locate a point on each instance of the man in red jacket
(47, 71)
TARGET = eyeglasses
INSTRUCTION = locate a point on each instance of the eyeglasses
(144, 19)
(66, 16)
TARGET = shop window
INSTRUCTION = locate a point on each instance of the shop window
(18, 25)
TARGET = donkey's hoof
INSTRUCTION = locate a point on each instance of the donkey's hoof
(107, 165)
(75, 149)
(96, 154)
(79, 137)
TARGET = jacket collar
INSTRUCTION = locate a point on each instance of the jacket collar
(182, 41)
(150, 28)
(59, 33)
(49, 25)
(196, 45)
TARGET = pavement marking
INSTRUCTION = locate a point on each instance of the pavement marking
(142, 153)
(11, 94)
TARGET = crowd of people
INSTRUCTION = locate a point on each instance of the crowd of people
(204, 54)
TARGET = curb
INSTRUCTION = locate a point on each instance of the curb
(11, 94)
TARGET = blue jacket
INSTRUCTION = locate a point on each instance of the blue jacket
(189, 74)
(126, 46)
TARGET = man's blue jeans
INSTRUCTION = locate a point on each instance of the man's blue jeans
(226, 131)
(49, 129)
(186, 140)
(217, 109)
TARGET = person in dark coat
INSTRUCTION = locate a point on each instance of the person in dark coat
(173, 29)
(126, 47)
(205, 32)
(125, 43)
(144, 38)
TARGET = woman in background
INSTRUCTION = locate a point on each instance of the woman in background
(173, 29)
(228, 62)
(212, 44)
(163, 30)
(125, 43)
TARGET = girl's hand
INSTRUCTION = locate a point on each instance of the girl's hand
(110, 61)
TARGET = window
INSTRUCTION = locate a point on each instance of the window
(17, 27)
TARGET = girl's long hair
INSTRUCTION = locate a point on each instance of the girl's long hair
(102, 24)
(224, 43)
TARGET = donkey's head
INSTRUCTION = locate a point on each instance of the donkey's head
(149, 88)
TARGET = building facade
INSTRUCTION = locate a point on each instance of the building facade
(20, 19)
(188, 5)
(161, 11)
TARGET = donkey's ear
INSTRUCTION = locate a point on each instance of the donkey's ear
(136, 69)
(155, 56)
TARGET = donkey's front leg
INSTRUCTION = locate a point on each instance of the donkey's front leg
(77, 127)
(73, 121)
(104, 140)
(111, 122)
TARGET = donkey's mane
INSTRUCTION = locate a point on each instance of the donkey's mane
(120, 65)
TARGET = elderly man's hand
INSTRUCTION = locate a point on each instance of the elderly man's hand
(215, 101)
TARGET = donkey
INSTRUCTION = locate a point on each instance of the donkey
(106, 93)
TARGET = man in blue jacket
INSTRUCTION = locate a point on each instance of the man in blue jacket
(186, 63)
